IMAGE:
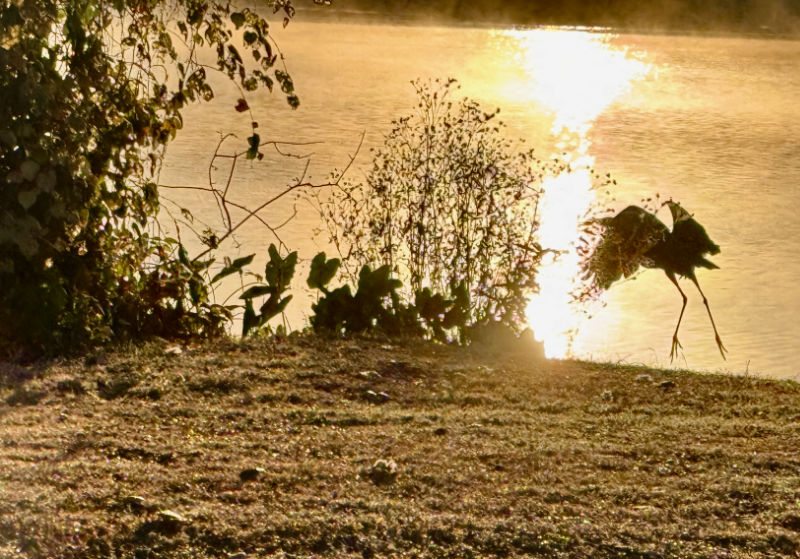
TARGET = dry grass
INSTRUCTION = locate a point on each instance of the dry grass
(265, 449)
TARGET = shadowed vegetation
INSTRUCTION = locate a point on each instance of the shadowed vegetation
(273, 446)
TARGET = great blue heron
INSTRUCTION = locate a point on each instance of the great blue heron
(635, 237)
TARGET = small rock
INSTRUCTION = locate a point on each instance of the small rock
(439, 431)
(171, 515)
(368, 374)
(135, 503)
(644, 377)
(173, 351)
(376, 397)
(251, 474)
(666, 384)
(383, 472)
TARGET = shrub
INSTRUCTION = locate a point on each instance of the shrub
(91, 93)
(450, 206)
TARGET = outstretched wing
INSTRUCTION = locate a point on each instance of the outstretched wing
(690, 238)
(623, 246)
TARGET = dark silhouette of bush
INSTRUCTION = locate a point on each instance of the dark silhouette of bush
(91, 93)
(450, 207)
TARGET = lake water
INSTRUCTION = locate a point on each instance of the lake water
(711, 122)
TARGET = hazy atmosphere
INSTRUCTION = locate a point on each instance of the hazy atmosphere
(399, 279)
(709, 121)
(775, 16)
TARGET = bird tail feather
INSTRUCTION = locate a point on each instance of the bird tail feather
(708, 264)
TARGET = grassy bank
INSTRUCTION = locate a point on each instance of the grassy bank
(270, 449)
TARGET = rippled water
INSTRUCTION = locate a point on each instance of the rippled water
(711, 122)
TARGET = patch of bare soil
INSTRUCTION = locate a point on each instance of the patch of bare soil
(356, 448)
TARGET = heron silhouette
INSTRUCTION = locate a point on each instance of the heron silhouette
(635, 237)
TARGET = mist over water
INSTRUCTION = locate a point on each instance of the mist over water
(710, 122)
(662, 16)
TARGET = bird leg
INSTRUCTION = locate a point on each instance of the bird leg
(675, 343)
(721, 347)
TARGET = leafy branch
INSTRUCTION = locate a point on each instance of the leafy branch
(222, 194)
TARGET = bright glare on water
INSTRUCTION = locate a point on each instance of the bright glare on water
(710, 122)
(574, 75)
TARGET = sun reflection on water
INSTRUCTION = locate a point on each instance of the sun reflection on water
(575, 75)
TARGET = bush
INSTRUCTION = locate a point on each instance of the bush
(450, 206)
(91, 93)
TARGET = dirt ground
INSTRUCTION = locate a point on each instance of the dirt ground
(309, 447)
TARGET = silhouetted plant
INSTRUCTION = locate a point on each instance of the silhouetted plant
(450, 206)
(91, 93)
(278, 274)
(372, 307)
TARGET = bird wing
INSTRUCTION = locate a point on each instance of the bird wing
(692, 241)
(623, 246)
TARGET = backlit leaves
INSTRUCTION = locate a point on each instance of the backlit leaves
(322, 271)
(241, 106)
(253, 143)
(238, 19)
(278, 273)
(89, 105)
(449, 205)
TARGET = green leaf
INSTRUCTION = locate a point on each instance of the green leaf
(273, 307)
(250, 320)
(250, 37)
(256, 291)
(234, 267)
(183, 256)
(253, 142)
(431, 307)
(30, 169)
(322, 271)
(279, 271)
(27, 198)
(234, 53)
(459, 314)
(238, 19)
(165, 40)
